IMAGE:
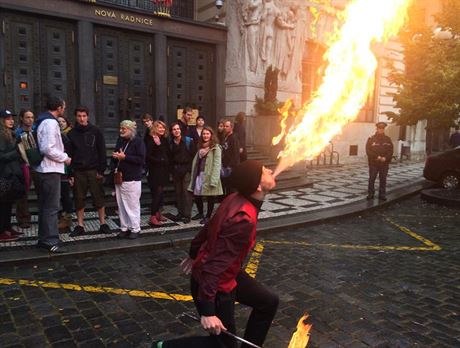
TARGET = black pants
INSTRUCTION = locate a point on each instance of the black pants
(157, 198)
(199, 204)
(248, 292)
(382, 171)
(5, 216)
(66, 199)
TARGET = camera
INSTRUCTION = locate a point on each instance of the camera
(219, 4)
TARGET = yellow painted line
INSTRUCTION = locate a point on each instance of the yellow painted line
(355, 247)
(429, 245)
(96, 289)
(425, 241)
(253, 263)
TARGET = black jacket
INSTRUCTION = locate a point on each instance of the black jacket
(181, 156)
(132, 166)
(87, 148)
(10, 160)
(379, 145)
(157, 161)
(230, 151)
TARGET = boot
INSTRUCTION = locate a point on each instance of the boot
(160, 217)
(65, 222)
(154, 221)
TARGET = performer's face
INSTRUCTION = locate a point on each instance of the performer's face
(267, 180)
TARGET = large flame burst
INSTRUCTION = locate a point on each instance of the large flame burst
(348, 78)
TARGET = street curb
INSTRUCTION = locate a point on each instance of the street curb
(442, 196)
(173, 239)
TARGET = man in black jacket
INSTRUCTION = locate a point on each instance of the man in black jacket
(379, 150)
(87, 170)
(230, 155)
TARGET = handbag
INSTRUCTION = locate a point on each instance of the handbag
(117, 177)
(117, 174)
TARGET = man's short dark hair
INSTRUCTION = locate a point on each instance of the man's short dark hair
(54, 103)
(147, 116)
(81, 108)
(187, 109)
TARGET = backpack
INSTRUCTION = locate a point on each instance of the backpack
(30, 143)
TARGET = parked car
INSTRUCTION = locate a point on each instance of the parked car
(444, 168)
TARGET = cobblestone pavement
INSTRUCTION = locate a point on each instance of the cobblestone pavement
(388, 278)
(333, 186)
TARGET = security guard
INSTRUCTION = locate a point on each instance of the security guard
(379, 150)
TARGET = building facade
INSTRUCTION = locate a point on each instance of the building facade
(121, 58)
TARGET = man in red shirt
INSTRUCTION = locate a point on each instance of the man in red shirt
(215, 261)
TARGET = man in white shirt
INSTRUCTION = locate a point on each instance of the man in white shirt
(49, 173)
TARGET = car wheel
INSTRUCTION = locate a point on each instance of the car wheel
(450, 181)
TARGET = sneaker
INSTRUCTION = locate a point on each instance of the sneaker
(153, 221)
(123, 234)
(52, 249)
(198, 216)
(7, 237)
(133, 235)
(77, 231)
(204, 221)
(369, 197)
(186, 220)
(105, 229)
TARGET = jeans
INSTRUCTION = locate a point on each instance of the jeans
(248, 292)
(48, 211)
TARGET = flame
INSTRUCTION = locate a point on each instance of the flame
(348, 78)
(301, 337)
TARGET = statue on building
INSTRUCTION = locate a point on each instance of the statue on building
(298, 37)
(285, 24)
(267, 31)
(251, 13)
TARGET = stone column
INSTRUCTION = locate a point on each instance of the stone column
(86, 68)
(161, 76)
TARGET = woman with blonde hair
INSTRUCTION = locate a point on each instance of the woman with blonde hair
(157, 160)
(128, 159)
(206, 174)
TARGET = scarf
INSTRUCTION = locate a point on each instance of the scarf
(204, 150)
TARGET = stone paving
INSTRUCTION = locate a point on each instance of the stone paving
(372, 280)
(333, 186)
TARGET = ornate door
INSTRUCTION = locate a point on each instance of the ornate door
(124, 78)
(191, 78)
(39, 60)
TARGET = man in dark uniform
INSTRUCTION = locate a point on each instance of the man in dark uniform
(215, 261)
(379, 150)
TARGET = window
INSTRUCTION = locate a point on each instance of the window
(311, 65)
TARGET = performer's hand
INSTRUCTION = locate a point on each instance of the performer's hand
(212, 324)
(383, 159)
(186, 265)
